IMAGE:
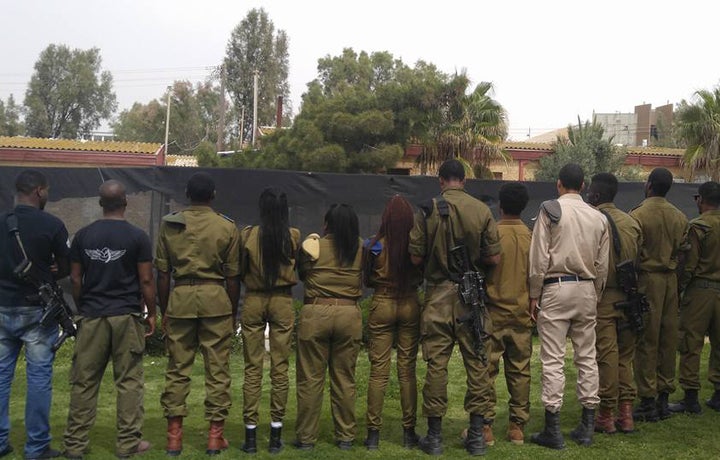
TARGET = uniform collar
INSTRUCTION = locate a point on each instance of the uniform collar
(607, 206)
(511, 222)
(199, 207)
(655, 199)
(571, 196)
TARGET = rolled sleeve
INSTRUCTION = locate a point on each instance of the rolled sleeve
(231, 267)
(491, 239)
(161, 254)
(418, 245)
(539, 255)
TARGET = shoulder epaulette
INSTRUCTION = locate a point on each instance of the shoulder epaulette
(225, 217)
(700, 224)
(552, 209)
(176, 217)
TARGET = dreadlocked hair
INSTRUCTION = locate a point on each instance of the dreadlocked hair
(342, 222)
(397, 221)
(275, 247)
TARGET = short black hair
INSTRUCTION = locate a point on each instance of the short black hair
(513, 198)
(660, 180)
(452, 169)
(201, 187)
(28, 180)
(572, 176)
(710, 193)
(605, 185)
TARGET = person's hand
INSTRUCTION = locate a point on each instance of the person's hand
(534, 309)
(163, 325)
(150, 320)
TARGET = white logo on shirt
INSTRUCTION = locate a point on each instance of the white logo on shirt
(106, 255)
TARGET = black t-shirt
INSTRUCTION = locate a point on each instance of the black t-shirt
(109, 251)
(44, 237)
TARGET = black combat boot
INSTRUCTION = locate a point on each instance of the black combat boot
(373, 439)
(276, 443)
(663, 407)
(714, 402)
(475, 440)
(551, 436)
(432, 443)
(250, 444)
(410, 438)
(689, 404)
(583, 434)
(646, 411)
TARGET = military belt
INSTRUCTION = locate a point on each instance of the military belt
(198, 281)
(282, 290)
(329, 301)
(564, 279)
(705, 284)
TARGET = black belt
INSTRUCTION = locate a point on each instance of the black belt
(198, 281)
(559, 279)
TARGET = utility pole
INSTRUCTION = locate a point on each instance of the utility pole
(167, 121)
(221, 115)
(242, 127)
(255, 105)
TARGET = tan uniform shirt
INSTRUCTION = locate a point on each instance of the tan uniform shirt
(251, 268)
(703, 257)
(507, 283)
(381, 277)
(664, 228)
(630, 237)
(577, 245)
(198, 243)
(325, 277)
(472, 222)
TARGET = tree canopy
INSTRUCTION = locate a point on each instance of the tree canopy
(68, 94)
(10, 118)
(698, 127)
(255, 45)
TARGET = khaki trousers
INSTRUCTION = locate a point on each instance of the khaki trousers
(512, 343)
(122, 339)
(439, 330)
(655, 356)
(391, 321)
(568, 309)
(275, 310)
(328, 336)
(615, 351)
(700, 313)
(213, 337)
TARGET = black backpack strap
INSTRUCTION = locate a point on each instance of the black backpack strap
(616, 236)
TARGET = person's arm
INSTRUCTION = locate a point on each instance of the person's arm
(61, 254)
(147, 288)
(76, 280)
(490, 243)
(692, 257)
(418, 237)
(602, 261)
(163, 294)
(232, 287)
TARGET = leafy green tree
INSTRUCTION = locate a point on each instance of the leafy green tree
(10, 121)
(585, 146)
(68, 94)
(698, 127)
(255, 45)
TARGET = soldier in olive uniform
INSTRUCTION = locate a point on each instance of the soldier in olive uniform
(267, 266)
(664, 231)
(329, 329)
(615, 339)
(394, 318)
(454, 218)
(509, 299)
(201, 250)
(700, 312)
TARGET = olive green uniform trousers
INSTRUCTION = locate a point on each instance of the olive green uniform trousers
(512, 343)
(328, 336)
(439, 330)
(213, 336)
(700, 313)
(393, 320)
(655, 355)
(259, 309)
(615, 345)
(122, 339)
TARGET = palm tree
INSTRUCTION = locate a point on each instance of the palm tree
(698, 126)
(470, 127)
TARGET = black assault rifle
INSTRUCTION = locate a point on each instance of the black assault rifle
(636, 304)
(472, 294)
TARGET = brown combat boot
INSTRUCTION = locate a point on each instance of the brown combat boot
(216, 441)
(624, 423)
(174, 436)
(515, 434)
(488, 434)
(604, 422)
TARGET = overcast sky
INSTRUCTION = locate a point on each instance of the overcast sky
(549, 61)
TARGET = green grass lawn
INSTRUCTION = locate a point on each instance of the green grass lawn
(680, 437)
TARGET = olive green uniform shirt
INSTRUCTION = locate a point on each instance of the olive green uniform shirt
(198, 243)
(251, 268)
(472, 222)
(380, 276)
(664, 231)
(703, 256)
(325, 277)
(507, 283)
(630, 237)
